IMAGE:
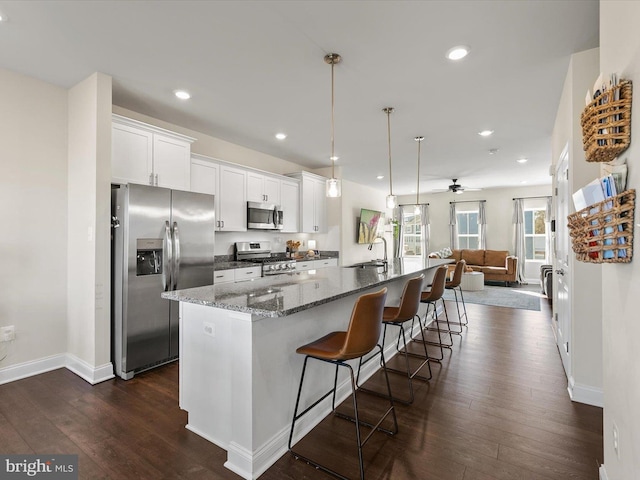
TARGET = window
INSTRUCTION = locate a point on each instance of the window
(535, 235)
(412, 228)
(468, 234)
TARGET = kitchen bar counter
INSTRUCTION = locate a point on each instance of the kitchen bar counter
(238, 368)
(286, 294)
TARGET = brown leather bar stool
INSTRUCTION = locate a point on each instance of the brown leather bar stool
(397, 316)
(454, 285)
(431, 298)
(336, 348)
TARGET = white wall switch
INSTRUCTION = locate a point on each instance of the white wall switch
(7, 334)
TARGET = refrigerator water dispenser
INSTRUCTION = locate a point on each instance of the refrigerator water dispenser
(148, 256)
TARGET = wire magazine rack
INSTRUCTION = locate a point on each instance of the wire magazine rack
(603, 232)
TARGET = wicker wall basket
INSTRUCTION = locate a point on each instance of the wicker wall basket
(603, 232)
(606, 124)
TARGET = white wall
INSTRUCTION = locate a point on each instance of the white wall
(498, 207)
(586, 323)
(33, 195)
(620, 53)
(355, 197)
(89, 167)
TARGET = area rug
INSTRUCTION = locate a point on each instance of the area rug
(526, 297)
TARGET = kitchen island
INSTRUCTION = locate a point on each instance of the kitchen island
(239, 372)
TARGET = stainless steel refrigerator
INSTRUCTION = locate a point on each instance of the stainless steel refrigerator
(162, 240)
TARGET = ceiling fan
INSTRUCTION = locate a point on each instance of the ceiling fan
(455, 187)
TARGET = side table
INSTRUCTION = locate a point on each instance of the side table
(472, 281)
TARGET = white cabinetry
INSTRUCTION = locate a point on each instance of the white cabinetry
(262, 188)
(242, 274)
(223, 276)
(290, 203)
(144, 154)
(313, 204)
(327, 262)
(228, 185)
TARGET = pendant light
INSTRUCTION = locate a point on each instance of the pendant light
(391, 198)
(417, 209)
(333, 184)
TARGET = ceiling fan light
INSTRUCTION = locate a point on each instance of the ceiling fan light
(458, 192)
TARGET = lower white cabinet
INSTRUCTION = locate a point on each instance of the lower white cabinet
(223, 276)
(304, 265)
(241, 274)
(237, 274)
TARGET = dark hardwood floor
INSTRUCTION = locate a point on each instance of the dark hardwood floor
(496, 408)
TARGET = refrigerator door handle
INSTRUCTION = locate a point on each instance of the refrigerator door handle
(167, 257)
(176, 260)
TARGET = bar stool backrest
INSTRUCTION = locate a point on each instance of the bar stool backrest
(365, 325)
(437, 287)
(410, 300)
(457, 274)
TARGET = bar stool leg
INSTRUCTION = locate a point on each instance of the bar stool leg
(464, 305)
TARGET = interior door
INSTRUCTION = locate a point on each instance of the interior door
(562, 277)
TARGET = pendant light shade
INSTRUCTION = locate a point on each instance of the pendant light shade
(418, 210)
(392, 200)
(333, 184)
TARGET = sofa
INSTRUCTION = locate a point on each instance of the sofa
(497, 265)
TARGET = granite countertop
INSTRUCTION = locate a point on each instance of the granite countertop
(286, 294)
(231, 265)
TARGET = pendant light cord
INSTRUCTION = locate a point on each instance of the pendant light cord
(333, 157)
(419, 140)
(388, 111)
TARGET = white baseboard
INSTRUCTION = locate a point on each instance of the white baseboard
(81, 368)
(87, 372)
(603, 473)
(32, 367)
(585, 394)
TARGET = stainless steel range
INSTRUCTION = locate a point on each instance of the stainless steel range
(260, 252)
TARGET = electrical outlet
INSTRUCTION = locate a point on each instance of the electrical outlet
(616, 440)
(7, 334)
(209, 329)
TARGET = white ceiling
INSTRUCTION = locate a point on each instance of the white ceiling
(255, 68)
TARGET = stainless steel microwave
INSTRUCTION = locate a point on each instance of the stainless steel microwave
(264, 216)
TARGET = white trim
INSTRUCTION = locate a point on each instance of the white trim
(81, 368)
(88, 372)
(603, 473)
(585, 394)
(32, 367)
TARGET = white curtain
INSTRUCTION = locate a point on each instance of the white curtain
(453, 227)
(518, 225)
(401, 231)
(482, 227)
(547, 228)
(424, 229)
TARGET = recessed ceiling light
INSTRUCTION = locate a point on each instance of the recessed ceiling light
(182, 95)
(380, 177)
(458, 52)
(485, 133)
(523, 181)
(334, 158)
(281, 136)
(522, 160)
(3, 17)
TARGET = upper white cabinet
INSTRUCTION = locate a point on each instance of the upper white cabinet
(142, 153)
(262, 188)
(313, 202)
(228, 184)
(290, 203)
(232, 199)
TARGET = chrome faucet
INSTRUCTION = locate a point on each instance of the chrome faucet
(384, 257)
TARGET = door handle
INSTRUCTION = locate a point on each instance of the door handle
(176, 260)
(560, 271)
(167, 257)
